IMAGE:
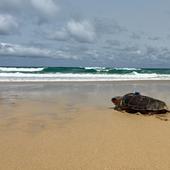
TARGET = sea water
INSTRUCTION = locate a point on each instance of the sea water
(57, 74)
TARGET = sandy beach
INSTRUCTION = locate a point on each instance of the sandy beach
(72, 126)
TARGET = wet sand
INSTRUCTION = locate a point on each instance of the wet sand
(72, 126)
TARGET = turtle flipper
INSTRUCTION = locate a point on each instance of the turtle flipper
(118, 108)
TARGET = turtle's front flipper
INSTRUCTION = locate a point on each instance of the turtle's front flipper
(118, 108)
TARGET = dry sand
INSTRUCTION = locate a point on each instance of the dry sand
(72, 126)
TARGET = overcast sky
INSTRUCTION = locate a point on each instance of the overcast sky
(110, 33)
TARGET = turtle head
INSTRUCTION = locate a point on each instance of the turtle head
(116, 100)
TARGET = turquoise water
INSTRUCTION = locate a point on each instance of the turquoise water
(102, 70)
(84, 70)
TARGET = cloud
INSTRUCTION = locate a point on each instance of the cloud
(76, 14)
(130, 55)
(8, 25)
(82, 51)
(53, 34)
(80, 31)
(12, 7)
(32, 50)
(168, 37)
(158, 54)
(107, 26)
(46, 10)
(42, 11)
(135, 36)
(83, 31)
(155, 38)
(36, 50)
(74, 49)
(136, 56)
(113, 42)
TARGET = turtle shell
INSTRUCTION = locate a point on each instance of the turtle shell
(139, 102)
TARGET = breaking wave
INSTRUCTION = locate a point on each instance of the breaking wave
(15, 69)
(45, 74)
(23, 77)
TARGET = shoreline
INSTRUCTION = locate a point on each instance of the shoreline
(116, 81)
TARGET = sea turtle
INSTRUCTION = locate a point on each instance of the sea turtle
(135, 102)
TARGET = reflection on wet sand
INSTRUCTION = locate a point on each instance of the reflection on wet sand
(73, 126)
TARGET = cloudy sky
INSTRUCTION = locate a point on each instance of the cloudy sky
(124, 33)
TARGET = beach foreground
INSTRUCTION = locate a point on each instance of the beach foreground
(72, 126)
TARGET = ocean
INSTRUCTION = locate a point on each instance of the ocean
(60, 74)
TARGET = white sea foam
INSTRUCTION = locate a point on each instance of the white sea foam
(127, 69)
(23, 77)
(98, 69)
(95, 68)
(10, 69)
